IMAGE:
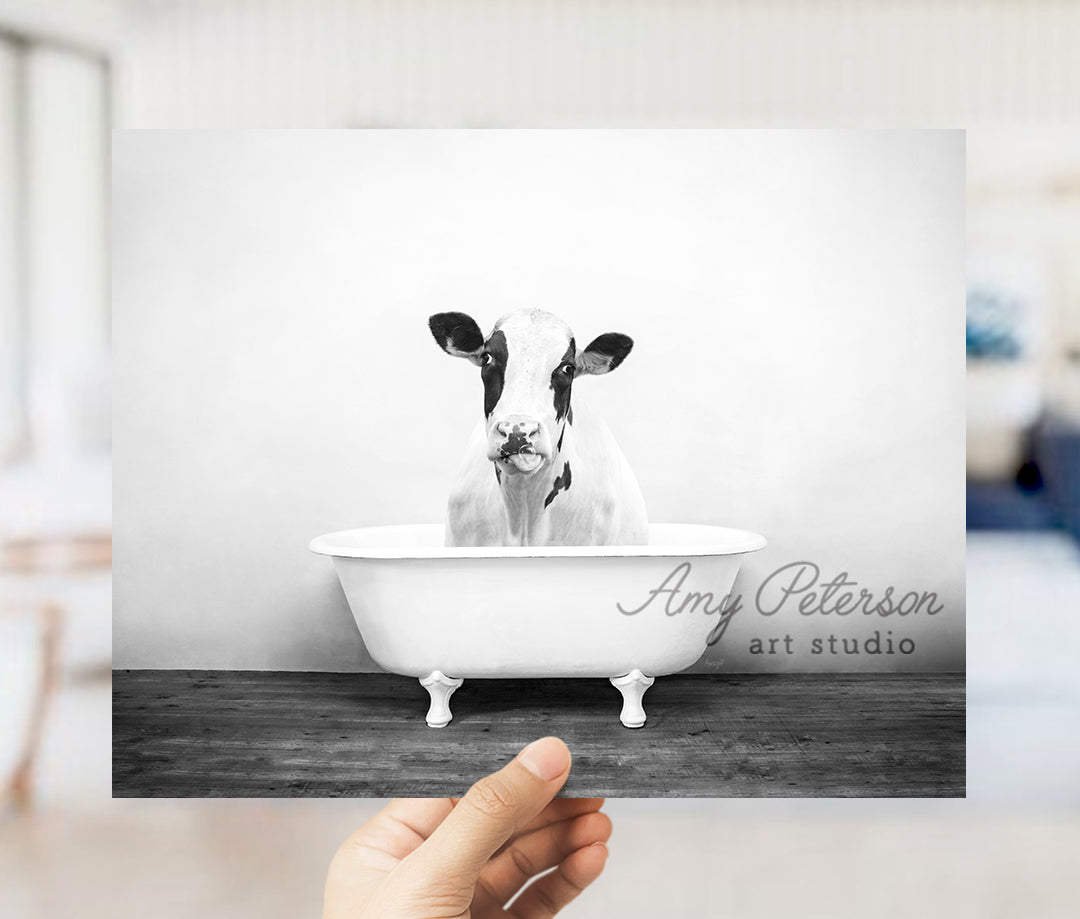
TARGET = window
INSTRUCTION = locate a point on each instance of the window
(54, 315)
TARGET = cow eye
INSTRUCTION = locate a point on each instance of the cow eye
(485, 359)
(567, 368)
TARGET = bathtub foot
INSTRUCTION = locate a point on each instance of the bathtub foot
(440, 687)
(632, 686)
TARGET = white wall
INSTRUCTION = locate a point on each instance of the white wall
(797, 301)
(630, 63)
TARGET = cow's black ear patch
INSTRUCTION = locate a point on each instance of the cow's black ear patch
(605, 353)
(493, 372)
(457, 334)
(561, 382)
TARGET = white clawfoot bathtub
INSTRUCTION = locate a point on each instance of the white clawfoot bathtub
(627, 613)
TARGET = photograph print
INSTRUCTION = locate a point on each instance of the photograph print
(429, 443)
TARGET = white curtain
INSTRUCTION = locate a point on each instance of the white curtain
(10, 333)
(54, 318)
(66, 151)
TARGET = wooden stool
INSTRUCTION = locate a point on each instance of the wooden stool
(35, 558)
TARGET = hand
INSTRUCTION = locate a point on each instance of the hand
(440, 858)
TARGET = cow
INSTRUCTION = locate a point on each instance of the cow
(540, 469)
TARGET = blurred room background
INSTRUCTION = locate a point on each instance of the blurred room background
(1023, 457)
(71, 69)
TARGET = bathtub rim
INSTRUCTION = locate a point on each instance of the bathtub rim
(724, 541)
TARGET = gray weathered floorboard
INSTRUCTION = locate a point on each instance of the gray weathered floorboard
(259, 733)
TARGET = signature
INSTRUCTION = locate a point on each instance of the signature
(726, 607)
(798, 582)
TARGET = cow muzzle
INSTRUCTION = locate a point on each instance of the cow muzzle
(517, 446)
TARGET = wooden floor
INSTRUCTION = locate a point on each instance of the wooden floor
(244, 733)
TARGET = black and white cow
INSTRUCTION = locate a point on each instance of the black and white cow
(540, 469)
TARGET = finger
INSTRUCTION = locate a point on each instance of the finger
(535, 852)
(545, 896)
(558, 810)
(421, 815)
(495, 808)
(402, 825)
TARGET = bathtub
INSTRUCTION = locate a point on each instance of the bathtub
(626, 613)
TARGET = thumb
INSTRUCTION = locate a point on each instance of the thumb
(492, 811)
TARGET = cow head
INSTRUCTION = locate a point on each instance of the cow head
(528, 365)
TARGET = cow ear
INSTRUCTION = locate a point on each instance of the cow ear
(457, 334)
(605, 353)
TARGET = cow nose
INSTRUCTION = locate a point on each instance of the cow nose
(526, 429)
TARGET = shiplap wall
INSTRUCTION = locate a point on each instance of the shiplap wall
(270, 63)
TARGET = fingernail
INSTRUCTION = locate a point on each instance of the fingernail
(546, 758)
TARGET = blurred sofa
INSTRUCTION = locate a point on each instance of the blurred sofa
(1044, 494)
(1056, 452)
